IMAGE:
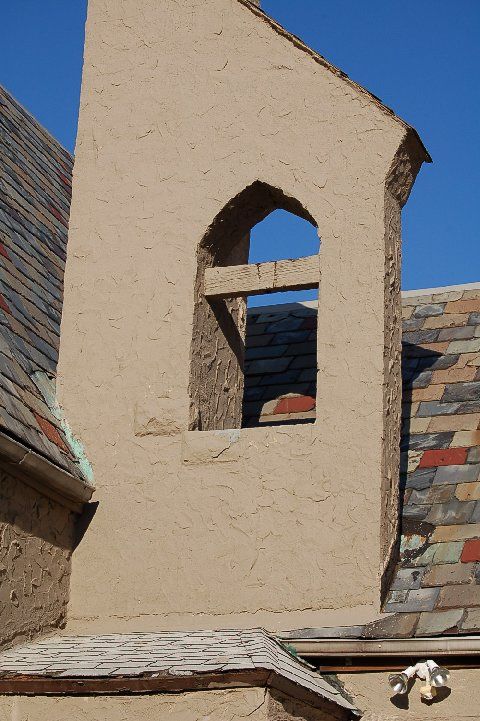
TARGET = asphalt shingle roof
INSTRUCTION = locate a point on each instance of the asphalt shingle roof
(165, 654)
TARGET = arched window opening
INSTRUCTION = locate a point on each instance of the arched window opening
(225, 280)
(283, 235)
(280, 369)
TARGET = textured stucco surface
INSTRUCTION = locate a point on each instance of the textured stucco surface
(254, 704)
(183, 106)
(371, 693)
(234, 705)
(35, 548)
(284, 708)
(402, 175)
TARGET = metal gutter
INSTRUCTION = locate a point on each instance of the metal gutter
(44, 475)
(445, 645)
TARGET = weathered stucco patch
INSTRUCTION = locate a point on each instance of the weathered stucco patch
(210, 446)
(36, 536)
(284, 708)
(156, 417)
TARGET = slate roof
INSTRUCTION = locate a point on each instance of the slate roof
(167, 654)
(437, 580)
(35, 192)
(280, 364)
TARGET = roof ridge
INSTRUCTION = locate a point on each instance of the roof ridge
(440, 289)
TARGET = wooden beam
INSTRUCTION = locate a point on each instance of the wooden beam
(256, 278)
(40, 685)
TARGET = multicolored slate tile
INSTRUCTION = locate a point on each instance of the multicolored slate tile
(35, 192)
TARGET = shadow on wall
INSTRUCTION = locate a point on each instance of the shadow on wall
(36, 539)
(417, 365)
(31, 514)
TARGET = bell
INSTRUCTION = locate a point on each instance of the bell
(398, 682)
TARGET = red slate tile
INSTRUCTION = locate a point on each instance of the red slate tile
(300, 404)
(4, 305)
(471, 551)
(50, 431)
(444, 457)
(3, 251)
(64, 179)
(57, 214)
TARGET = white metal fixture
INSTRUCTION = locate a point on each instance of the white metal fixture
(430, 672)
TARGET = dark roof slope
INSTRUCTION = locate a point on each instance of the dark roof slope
(35, 191)
(437, 580)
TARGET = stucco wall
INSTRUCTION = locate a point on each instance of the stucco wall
(373, 697)
(35, 548)
(254, 704)
(198, 706)
(183, 106)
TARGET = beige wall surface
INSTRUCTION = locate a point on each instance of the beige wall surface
(183, 106)
(372, 695)
(254, 704)
(35, 547)
(199, 706)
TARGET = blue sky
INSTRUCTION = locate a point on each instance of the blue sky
(421, 57)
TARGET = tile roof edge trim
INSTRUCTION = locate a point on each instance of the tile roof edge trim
(286, 307)
(440, 289)
(241, 678)
(62, 484)
(445, 645)
(301, 45)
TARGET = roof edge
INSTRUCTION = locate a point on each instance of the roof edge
(440, 289)
(29, 114)
(45, 475)
(207, 681)
(298, 43)
(282, 307)
(414, 293)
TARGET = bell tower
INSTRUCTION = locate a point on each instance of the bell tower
(197, 120)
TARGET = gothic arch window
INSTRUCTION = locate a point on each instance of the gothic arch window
(225, 279)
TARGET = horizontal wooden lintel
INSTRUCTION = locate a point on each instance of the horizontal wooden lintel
(257, 278)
